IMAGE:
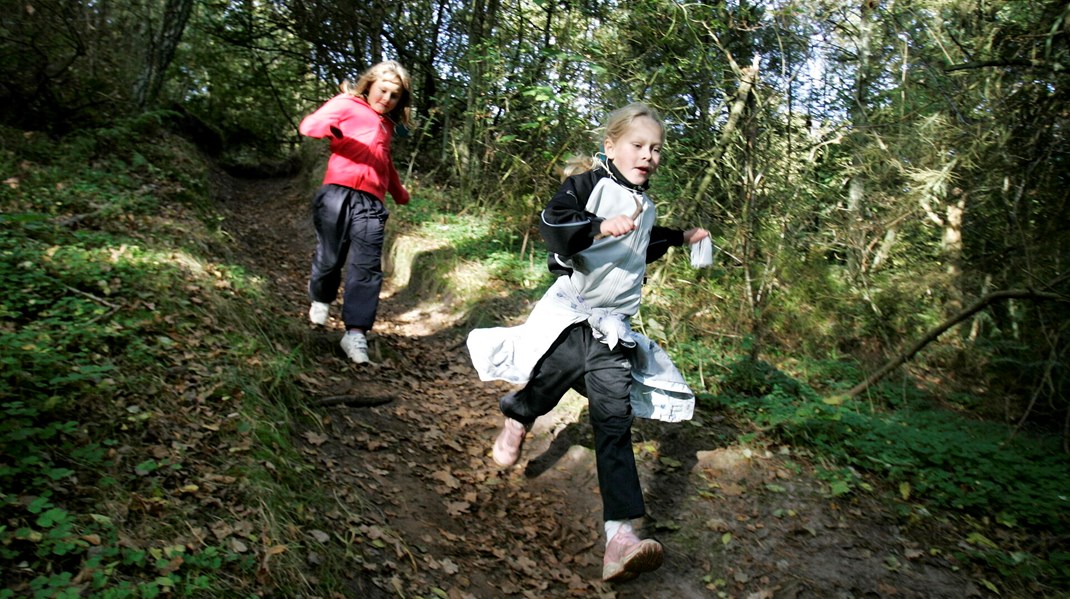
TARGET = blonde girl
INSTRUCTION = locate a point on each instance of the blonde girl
(600, 231)
(348, 209)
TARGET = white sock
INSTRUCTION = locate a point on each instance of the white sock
(615, 526)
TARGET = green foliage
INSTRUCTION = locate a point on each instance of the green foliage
(103, 301)
(937, 460)
(110, 568)
(965, 465)
(230, 63)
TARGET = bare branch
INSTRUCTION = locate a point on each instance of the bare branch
(356, 401)
(981, 304)
(984, 64)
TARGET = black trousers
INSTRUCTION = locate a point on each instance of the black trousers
(350, 226)
(578, 361)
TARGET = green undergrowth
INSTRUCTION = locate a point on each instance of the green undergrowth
(144, 395)
(1010, 492)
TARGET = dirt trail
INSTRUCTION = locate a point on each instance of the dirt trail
(422, 511)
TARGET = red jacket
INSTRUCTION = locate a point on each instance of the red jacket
(360, 146)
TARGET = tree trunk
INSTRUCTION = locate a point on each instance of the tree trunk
(856, 187)
(480, 24)
(952, 244)
(747, 80)
(162, 43)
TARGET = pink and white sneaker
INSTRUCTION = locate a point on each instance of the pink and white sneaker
(507, 446)
(627, 556)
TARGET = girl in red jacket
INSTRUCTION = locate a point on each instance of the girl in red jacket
(348, 210)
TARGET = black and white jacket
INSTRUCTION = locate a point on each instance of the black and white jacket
(606, 272)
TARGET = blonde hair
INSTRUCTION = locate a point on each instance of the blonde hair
(618, 123)
(388, 69)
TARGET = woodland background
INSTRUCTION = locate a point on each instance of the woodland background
(886, 181)
(871, 169)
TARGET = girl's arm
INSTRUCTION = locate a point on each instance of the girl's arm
(324, 121)
(565, 225)
(396, 189)
(662, 238)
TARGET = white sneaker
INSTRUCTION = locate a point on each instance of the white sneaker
(355, 345)
(318, 311)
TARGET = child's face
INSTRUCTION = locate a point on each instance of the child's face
(637, 152)
(384, 95)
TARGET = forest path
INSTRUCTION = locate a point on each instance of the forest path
(422, 511)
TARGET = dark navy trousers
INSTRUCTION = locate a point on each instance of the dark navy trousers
(579, 361)
(350, 227)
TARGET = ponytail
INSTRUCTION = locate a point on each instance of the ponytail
(578, 164)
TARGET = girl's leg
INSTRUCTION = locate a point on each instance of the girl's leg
(364, 275)
(608, 384)
(330, 215)
(558, 371)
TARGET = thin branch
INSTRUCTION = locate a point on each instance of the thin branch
(356, 401)
(984, 64)
(932, 335)
(99, 300)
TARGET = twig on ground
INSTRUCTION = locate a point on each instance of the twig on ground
(356, 401)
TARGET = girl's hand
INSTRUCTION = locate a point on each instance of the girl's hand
(693, 236)
(617, 226)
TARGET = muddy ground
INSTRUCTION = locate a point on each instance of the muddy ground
(423, 512)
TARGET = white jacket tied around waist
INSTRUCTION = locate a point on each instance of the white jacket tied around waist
(510, 354)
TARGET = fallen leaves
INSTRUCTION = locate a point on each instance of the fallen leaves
(456, 508)
(447, 478)
(315, 438)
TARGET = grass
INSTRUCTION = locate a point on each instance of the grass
(478, 262)
(141, 388)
